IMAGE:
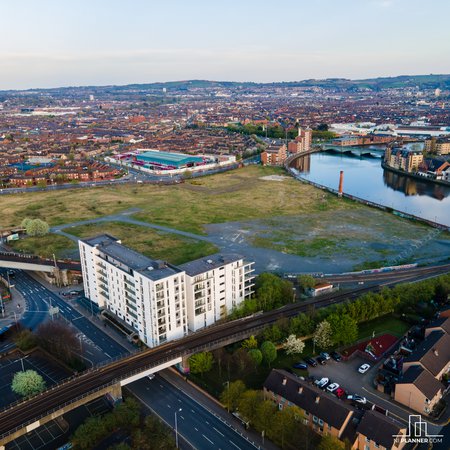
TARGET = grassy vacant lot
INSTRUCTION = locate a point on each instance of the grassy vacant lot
(154, 244)
(45, 246)
(231, 196)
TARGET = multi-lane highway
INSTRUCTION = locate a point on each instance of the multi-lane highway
(39, 300)
(202, 429)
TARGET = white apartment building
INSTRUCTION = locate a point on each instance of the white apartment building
(157, 300)
(214, 286)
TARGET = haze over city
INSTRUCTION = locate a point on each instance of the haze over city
(52, 43)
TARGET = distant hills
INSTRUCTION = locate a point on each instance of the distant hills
(403, 81)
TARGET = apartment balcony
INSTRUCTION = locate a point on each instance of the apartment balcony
(199, 311)
(102, 273)
(104, 287)
(159, 305)
(132, 314)
(161, 314)
(130, 297)
(248, 269)
(103, 280)
(132, 306)
(131, 291)
(162, 330)
(104, 294)
(101, 265)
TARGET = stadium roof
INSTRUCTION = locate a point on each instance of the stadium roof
(167, 158)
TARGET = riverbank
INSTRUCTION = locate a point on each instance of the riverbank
(414, 175)
(296, 174)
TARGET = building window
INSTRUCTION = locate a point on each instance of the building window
(367, 440)
(315, 419)
(280, 406)
(321, 422)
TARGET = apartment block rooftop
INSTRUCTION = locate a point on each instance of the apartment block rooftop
(210, 262)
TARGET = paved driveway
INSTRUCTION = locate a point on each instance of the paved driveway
(346, 374)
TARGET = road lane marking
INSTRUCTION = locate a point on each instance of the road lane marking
(169, 406)
(219, 432)
(196, 429)
(231, 442)
(179, 400)
(193, 411)
(209, 440)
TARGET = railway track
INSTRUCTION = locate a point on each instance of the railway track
(17, 415)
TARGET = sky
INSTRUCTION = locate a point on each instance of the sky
(53, 43)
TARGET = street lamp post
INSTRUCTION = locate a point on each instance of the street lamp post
(176, 427)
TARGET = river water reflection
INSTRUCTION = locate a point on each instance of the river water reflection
(365, 178)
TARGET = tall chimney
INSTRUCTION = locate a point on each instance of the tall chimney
(341, 183)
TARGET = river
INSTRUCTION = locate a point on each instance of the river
(365, 178)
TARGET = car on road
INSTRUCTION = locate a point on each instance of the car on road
(325, 355)
(151, 376)
(364, 368)
(357, 398)
(311, 362)
(321, 360)
(336, 356)
(339, 392)
(332, 387)
(322, 382)
(301, 366)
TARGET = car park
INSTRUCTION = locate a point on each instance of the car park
(364, 368)
(336, 356)
(325, 355)
(357, 398)
(321, 360)
(300, 365)
(322, 382)
(332, 387)
(311, 362)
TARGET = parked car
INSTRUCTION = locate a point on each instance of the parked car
(332, 387)
(364, 368)
(300, 365)
(151, 376)
(321, 360)
(336, 356)
(311, 362)
(339, 392)
(357, 398)
(322, 382)
(325, 355)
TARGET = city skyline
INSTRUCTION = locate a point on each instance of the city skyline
(54, 44)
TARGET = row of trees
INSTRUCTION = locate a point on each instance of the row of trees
(57, 339)
(284, 427)
(149, 435)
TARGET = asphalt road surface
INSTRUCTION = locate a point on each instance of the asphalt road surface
(39, 300)
(203, 430)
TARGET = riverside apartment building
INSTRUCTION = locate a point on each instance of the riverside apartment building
(160, 301)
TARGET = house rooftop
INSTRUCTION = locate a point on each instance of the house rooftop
(309, 398)
(423, 380)
(379, 428)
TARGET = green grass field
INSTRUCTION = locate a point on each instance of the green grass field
(154, 244)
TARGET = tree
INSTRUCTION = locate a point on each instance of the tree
(250, 343)
(201, 362)
(248, 404)
(59, 340)
(293, 345)
(272, 291)
(25, 340)
(273, 334)
(306, 282)
(232, 393)
(243, 362)
(36, 227)
(264, 416)
(344, 328)
(328, 442)
(256, 356)
(269, 352)
(219, 357)
(301, 325)
(27, 383)
(322, 335)
(287, 424)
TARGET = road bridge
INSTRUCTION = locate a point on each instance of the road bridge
(26, 415)
(370, 152)
(20, 261)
